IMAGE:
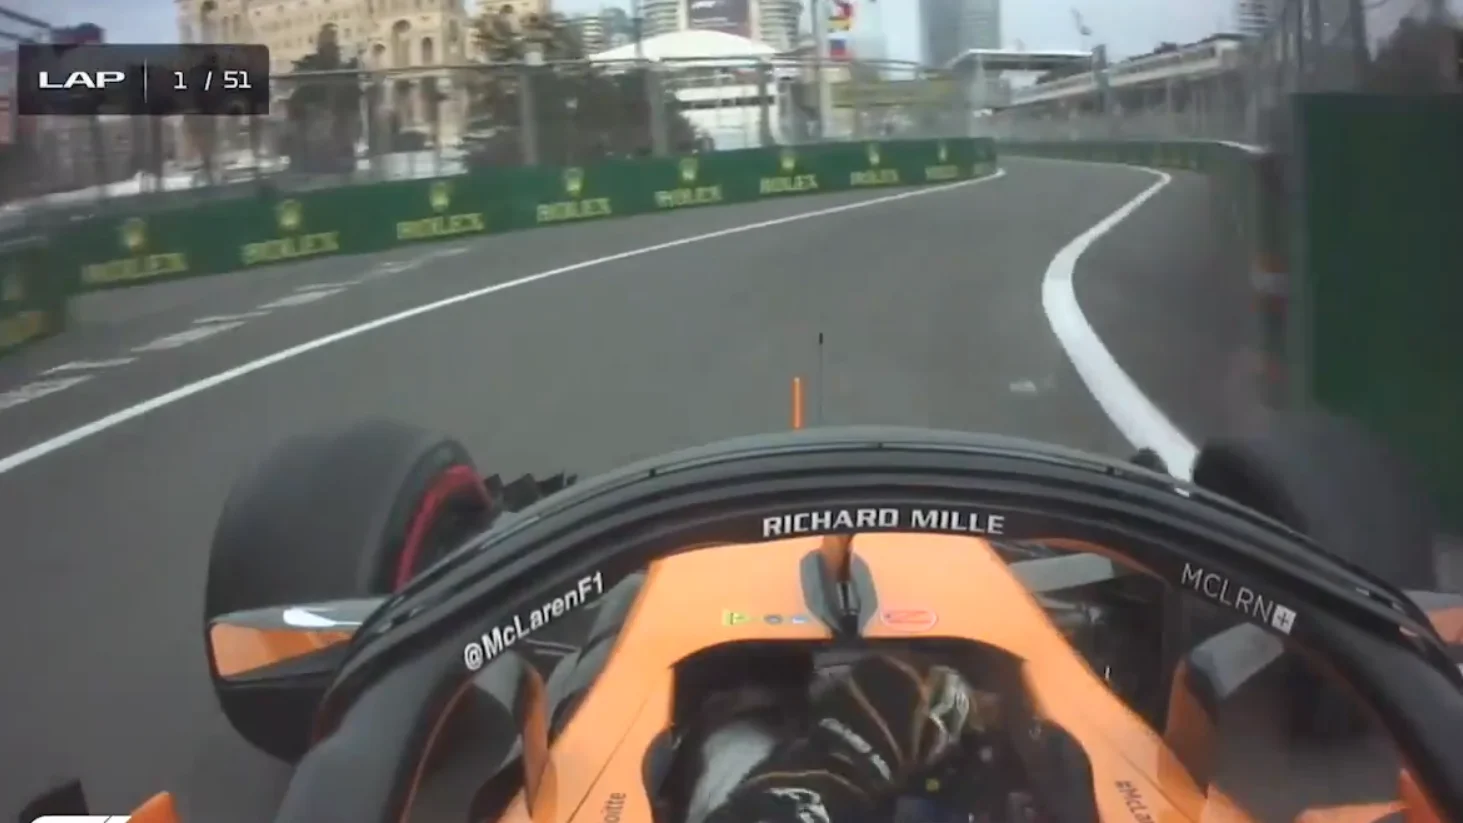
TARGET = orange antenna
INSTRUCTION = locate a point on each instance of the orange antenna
(797, 402)
(837, 551)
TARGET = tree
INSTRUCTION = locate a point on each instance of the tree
(324, 109)
(582, 112)
(503, 39)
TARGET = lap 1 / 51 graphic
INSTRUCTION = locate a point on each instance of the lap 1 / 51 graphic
(157, 80)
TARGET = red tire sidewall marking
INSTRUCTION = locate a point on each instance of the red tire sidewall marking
(447, 484)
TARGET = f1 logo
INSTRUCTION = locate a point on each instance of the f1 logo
(84, 818)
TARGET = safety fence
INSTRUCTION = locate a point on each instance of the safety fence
(1309, 46)
(347, 124)
(40, 271)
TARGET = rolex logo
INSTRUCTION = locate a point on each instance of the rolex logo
(440, 195)
(788, 161)
(689, 167)
(574, 181)
(133, 234)
(12, 289)
(872, 150)
(290, 214)
(944, 152)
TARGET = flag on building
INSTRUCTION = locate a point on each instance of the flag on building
(840, 15)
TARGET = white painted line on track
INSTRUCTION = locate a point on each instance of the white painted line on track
(90, 365)
(1132, 413)
(341, 286)
(37, 389)
(300, 298)
(186, 337)
(14, 461)
(229, 318)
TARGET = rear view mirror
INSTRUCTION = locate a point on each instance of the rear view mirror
(266, 643)
(271, 666)
(1205, 680)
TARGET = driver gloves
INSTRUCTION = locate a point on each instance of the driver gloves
(888, 719)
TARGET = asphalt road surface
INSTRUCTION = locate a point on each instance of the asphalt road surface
(929, 306)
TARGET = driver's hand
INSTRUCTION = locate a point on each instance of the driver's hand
(895, 716)
(872, 729)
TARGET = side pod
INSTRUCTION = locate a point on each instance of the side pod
(526, 790)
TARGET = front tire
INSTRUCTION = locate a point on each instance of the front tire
(352, 512)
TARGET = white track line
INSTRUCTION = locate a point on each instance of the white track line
(1135, 416)
(117, 418)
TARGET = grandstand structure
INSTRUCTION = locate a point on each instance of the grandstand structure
(1187, 87)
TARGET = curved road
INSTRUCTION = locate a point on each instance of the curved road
(930, 303)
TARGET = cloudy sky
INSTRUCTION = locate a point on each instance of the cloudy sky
(1128, 26)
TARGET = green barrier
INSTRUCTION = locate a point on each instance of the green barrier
(1379, 286)
(32, 301)
(1355, 276)
(419, 211)
(38, 275)
(247, 233)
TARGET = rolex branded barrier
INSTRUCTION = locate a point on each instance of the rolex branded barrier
(241, 234)
(32, 299)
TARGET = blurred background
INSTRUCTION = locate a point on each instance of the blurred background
(390, 89)
(1327, 133)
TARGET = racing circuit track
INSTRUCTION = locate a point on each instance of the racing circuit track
(930, 303)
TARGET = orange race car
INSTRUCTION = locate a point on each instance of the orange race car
(427, 646)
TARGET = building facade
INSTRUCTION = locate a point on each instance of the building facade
(1252, 17)
(409, 37)
(774, 22)
(949, 27)
(777, 23)
(609, 28)
(590, 29)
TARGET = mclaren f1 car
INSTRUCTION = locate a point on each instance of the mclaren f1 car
(427, 645)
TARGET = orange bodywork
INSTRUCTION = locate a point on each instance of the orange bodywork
(238, 649)
(156, 809)
(960, 582)
(1449, 623)
(688, 602)
(957, 588)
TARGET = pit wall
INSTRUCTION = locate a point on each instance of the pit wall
(38, 273)
(1351, 233)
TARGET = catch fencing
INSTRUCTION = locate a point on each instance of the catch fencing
(1372, 46)
(347, 127)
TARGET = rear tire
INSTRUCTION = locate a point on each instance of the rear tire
(1335, 482)
(348, 513)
